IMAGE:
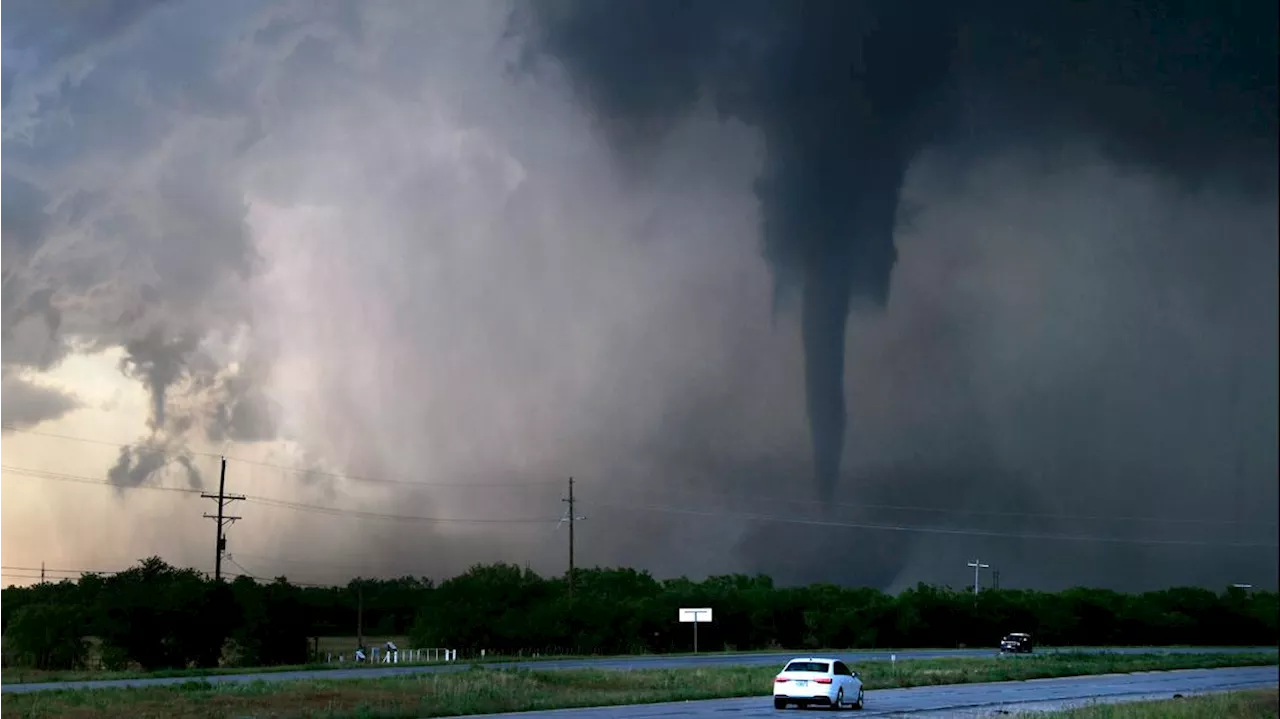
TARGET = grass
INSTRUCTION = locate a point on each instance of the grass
(336, 645)
(482, 691)
(1254, 704)
(344, 645)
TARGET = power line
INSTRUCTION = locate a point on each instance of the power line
(773, 499)
(396, 482)
(297, 506)
(239, 566)
(337, 512)
(62, 477)
(294, 582)
(286, 504)
(56, 571)
(281, 467)
(936, 530)
(737, 495)
(15, 572)
(352, 564)
(33, 573)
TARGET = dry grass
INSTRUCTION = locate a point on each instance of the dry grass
(1256, 704)
(481, 691)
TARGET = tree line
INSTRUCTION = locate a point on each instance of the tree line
(156, 616)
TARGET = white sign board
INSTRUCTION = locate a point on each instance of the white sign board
(702, 614)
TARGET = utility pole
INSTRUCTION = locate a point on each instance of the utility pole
(571, 517)
(222, 518)
(977, 567)
(42, 571)
(995, 578)
(360, 613)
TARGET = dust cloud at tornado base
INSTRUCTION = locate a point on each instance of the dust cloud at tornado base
(442, 270)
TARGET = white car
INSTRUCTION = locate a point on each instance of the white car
(817, 680)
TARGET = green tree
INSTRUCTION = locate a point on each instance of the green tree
(155, 615)
(162, 617)
(274, 623)
(48, 636)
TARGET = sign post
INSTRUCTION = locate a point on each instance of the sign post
(693, 616)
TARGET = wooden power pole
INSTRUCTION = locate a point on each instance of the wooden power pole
(222, 518)
(360, 613)
(573, 515)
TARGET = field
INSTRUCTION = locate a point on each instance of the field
(336, 645)
(484, 691)
(24, 675)
(1257, 704)
(341, 645)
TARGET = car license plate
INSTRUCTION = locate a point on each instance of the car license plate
(802, 683)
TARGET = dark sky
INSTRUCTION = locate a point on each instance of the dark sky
(838, 291)
(847, 95)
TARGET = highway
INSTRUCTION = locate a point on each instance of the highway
(650, 662)
(958, 700)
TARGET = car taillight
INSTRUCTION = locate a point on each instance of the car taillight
(780, 680)
(822, 680)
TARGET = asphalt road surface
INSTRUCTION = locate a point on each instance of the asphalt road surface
(959, 700)
(652, 662)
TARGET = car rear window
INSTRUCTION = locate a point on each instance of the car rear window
(819, 667)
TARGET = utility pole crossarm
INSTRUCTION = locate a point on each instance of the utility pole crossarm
(977, 567)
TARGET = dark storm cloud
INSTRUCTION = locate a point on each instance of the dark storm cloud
(134, 466)
(143, 463)
(158, 361)
(27, 404)
(64, 29)
(23, 217)
(119, 230)
(24, 223)
(847, 94)
(351, 239)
